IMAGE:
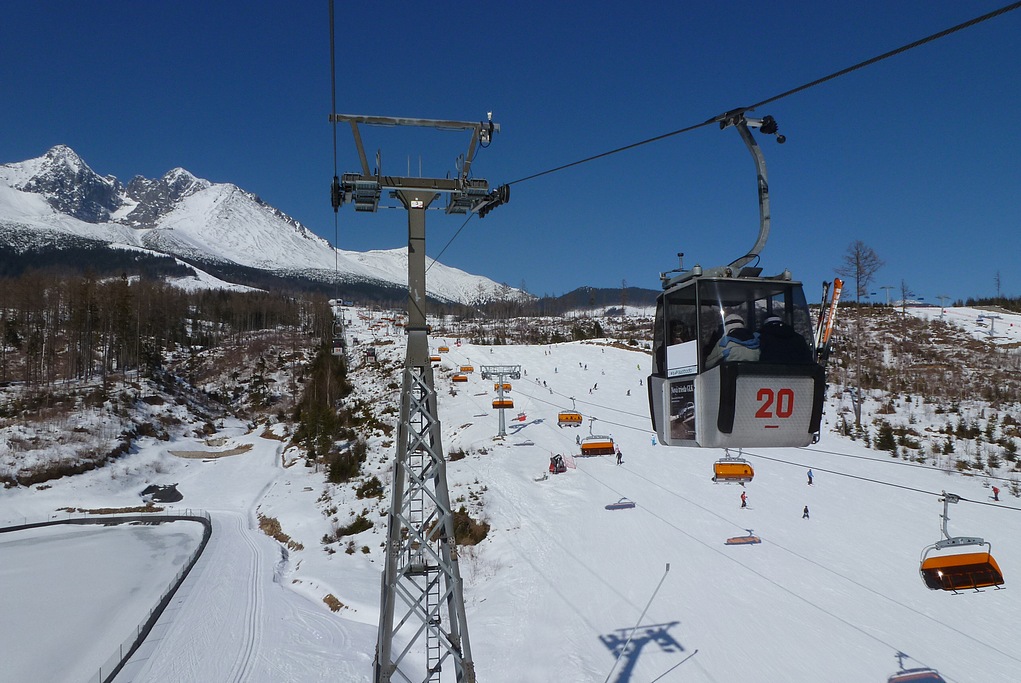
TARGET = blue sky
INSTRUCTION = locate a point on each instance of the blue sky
(919, 156)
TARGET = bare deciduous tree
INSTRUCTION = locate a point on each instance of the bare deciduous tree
(905, 294)
(860, 263)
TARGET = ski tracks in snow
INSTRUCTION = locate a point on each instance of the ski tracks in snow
(214, 624)
(251, 632)
(235, 620)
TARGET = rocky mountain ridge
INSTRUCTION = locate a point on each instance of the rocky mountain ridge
(57, 200)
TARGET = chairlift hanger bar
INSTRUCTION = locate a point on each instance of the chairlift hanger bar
(768, 126)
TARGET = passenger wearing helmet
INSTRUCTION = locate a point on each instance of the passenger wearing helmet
(737, 343)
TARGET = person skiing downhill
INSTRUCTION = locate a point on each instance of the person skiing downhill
(805, 515)
(744, 499)
(809, 477)
(996, 494)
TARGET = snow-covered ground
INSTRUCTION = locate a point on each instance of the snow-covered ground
(997, 326)
(555, 589)
(126, 566)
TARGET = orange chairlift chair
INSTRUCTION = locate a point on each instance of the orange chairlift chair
(960, 570)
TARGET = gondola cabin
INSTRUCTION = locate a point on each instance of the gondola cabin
(337, 344)
(503, 403)
(459, 378)
(505, 386)
(734, 363)
(467, 369)
(597, 445)
(569, 418)
(443, 349)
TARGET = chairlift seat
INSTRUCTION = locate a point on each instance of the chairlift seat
(961, 571)
(503, 404)
(734, 471)
(459, 378)
(916, 676)
(743, 540)
(569, 418)
(597, 445)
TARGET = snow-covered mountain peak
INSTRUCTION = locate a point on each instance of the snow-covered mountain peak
(182, 183)
(67, 184)
(200, 221)
(62, 155)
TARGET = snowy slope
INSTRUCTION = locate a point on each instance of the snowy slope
(555, 589)
(996, 326)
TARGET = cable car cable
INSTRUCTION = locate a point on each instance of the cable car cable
(788, 93)
(613, 151)
(333, 86)
(791, 552)
(874, 481)
(437, 258)
(768, 579)
(616, 410)
(644, 430)
(898, 462)
(892, 53)
(796, 594)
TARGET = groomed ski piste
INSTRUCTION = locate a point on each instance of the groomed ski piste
(558, 585)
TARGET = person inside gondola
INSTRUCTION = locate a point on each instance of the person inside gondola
(738, 343)
(679, 333)
(781, 343)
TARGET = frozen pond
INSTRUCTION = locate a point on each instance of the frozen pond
(71, 594)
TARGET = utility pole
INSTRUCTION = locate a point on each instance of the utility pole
(421, 599)
(623, 306)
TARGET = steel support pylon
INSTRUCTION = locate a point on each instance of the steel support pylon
(500, 372)
(421, 602)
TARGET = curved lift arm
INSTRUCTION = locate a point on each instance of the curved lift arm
(949, 541)
(767, 125)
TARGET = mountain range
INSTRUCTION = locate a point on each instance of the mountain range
(56, 211)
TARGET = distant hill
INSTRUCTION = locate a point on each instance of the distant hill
(597, 298)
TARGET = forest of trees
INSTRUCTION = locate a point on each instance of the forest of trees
(56, 327)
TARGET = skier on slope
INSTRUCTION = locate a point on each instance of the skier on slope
(744, 499)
